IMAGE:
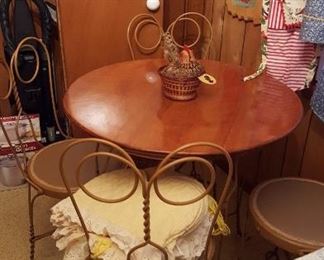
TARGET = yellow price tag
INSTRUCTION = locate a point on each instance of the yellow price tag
(207, 79)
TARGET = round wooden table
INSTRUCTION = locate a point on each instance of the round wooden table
(123, 103)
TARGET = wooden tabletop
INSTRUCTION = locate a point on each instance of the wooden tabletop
(123, 103)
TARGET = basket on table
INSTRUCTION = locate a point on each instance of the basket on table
(179, 88)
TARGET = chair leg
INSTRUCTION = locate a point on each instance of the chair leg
(31, 224)
(31, 202)
(225, 212)
(211, 250)
(239, 196)
(244, 236)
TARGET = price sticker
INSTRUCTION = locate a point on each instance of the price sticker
(207, 79)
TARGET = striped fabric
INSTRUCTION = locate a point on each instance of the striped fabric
(276, 18)
(288, 58)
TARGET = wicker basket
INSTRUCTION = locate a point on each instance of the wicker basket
(176, 89)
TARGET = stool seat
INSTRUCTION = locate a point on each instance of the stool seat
(43, 168)
(289, 212)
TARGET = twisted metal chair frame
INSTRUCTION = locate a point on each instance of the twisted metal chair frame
(13, 71)
(148, 184)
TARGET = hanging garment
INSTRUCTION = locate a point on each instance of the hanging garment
(313, 22)
(284, 56)
(313, 31)
(288, 58)
(249, 10)
(317, 102)
(293, 12)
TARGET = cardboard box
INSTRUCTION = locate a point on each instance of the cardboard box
(10, 174)
(24, 131)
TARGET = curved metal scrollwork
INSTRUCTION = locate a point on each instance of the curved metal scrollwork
(140, 20)
(174, 158)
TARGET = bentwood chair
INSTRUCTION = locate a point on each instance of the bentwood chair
(289, 212)
(41, 171)
(93, 207)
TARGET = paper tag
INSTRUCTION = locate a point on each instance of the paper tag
(207, 79)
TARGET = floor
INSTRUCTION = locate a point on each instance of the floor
(14, 231)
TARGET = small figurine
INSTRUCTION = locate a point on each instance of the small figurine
(181, 65)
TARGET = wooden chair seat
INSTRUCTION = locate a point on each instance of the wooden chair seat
(43, 167)
(289, 212)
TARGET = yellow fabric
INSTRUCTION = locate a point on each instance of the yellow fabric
(221, 228)
(100, 246)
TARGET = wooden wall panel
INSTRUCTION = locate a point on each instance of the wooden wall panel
(172, 9)
(249, 168)
(251, 56)
(191, 30)
(215, 12)
(232, 40)
(272, 160)
(313, 161)
(296, 143)
(93, 33)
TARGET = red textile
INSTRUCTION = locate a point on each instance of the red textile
(288, 58)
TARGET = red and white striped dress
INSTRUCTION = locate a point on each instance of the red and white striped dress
(288, 58)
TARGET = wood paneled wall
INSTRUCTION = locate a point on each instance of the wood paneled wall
(237, 41)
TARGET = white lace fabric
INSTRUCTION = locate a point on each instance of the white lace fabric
(181, 230)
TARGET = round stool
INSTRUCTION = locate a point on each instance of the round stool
(289, 212)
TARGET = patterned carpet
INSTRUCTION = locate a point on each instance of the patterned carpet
(14, 243)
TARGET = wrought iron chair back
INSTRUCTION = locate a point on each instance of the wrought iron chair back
(148, 183)
(140, 20)
(23, 165)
